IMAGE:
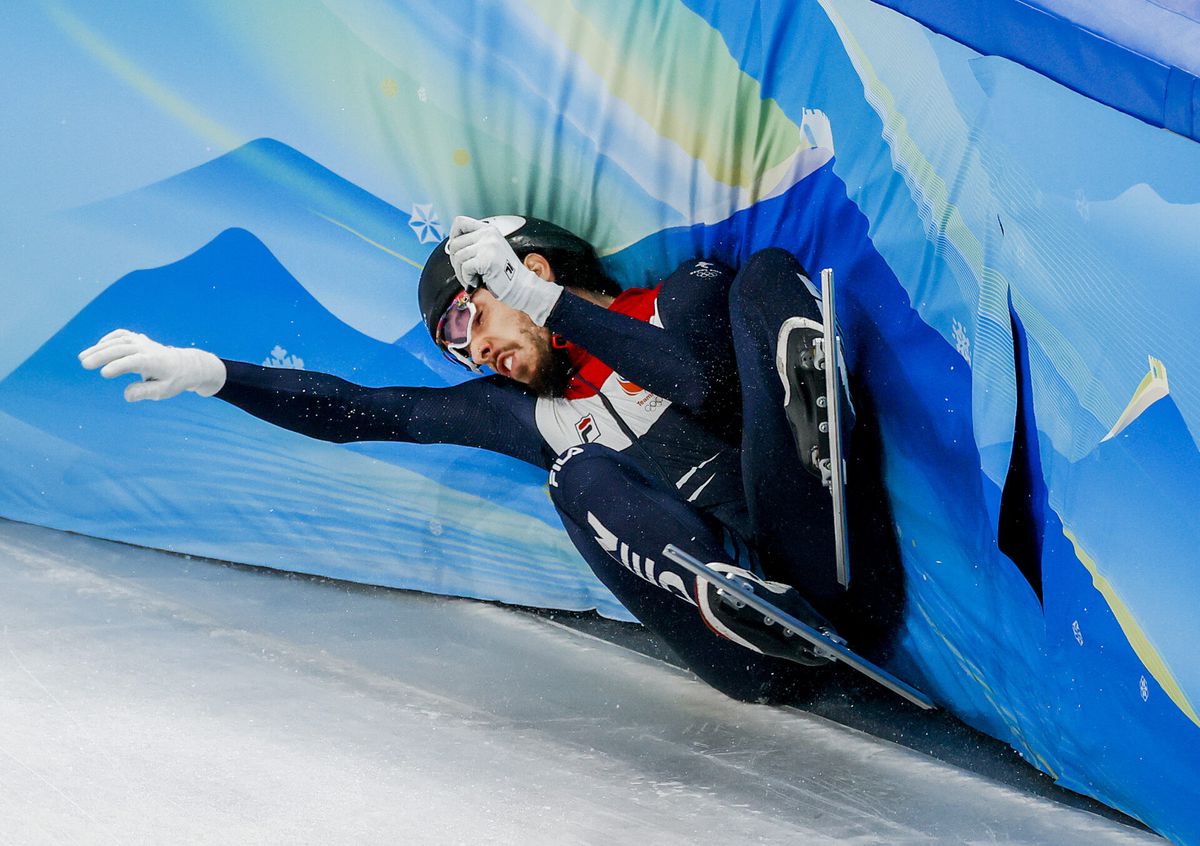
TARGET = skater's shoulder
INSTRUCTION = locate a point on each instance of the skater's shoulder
(702, 268)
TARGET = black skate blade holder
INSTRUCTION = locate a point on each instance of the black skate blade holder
(824, 464)
(814, 359)
(731, 598)
(739, 587)
(827, 352)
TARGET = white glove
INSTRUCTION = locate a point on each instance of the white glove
(165, 371)
(481, 255)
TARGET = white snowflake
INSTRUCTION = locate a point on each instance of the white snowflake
(422, 94)
(1144, 688)
(1082, 206)
(279, 358)
(1077, 632)
(425, 223)
(961, 342)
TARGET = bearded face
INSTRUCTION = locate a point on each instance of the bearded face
(511, 344)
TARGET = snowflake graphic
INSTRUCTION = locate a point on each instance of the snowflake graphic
(1077, 632)
(422, 94)
(1144, 689)
(1082, 207)
(425, 223)
(961, 342)
(279, 358)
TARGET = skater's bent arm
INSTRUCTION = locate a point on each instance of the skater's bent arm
(486, 413)
(687, 359)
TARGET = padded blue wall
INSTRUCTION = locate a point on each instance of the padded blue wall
(1017, 267)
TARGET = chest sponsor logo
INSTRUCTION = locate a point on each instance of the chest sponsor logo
(588, 431)
(629, 387)
(647, 401)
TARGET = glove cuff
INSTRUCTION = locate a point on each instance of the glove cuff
(208, 372)
(536, 297)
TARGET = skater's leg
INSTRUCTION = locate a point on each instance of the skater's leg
(619, 519)
(790, 510)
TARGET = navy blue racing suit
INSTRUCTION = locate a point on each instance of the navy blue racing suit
(671, 430)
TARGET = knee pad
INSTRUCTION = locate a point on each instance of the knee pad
(763, 270)
(578, 466)
(770, 280)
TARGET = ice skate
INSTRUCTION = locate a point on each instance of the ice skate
(774, 619)
(808, 358)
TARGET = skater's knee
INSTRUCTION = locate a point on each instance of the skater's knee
(774, 258)
(761, 276)
(580, 468)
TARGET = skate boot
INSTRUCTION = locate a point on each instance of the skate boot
(732, 619)
(800, 359)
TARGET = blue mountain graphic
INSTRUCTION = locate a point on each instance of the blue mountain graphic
(231, 297)
(355, 252)
(269, 176)
(1132, 502)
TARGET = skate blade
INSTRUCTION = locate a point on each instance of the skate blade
(823, 645)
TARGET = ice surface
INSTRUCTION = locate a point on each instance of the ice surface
(148, 698)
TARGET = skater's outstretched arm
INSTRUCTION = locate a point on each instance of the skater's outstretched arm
(489, 413)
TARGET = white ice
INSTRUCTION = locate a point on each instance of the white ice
(148, 698)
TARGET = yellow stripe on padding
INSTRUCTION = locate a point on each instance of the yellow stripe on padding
(1150, 390)
(376, 244)
(124, 68)
(675, 71)
(1138, 639)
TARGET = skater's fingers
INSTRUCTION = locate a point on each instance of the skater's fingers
(468, 266)
(470, 272)
(115, 335)
(136, 363)
(463, 255)
(120, 336)
(463, 224)
(138, 391)
(99, 356)
(465, 241)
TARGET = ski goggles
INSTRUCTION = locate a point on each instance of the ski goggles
(454, 330)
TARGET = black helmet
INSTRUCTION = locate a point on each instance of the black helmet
(573, 259)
